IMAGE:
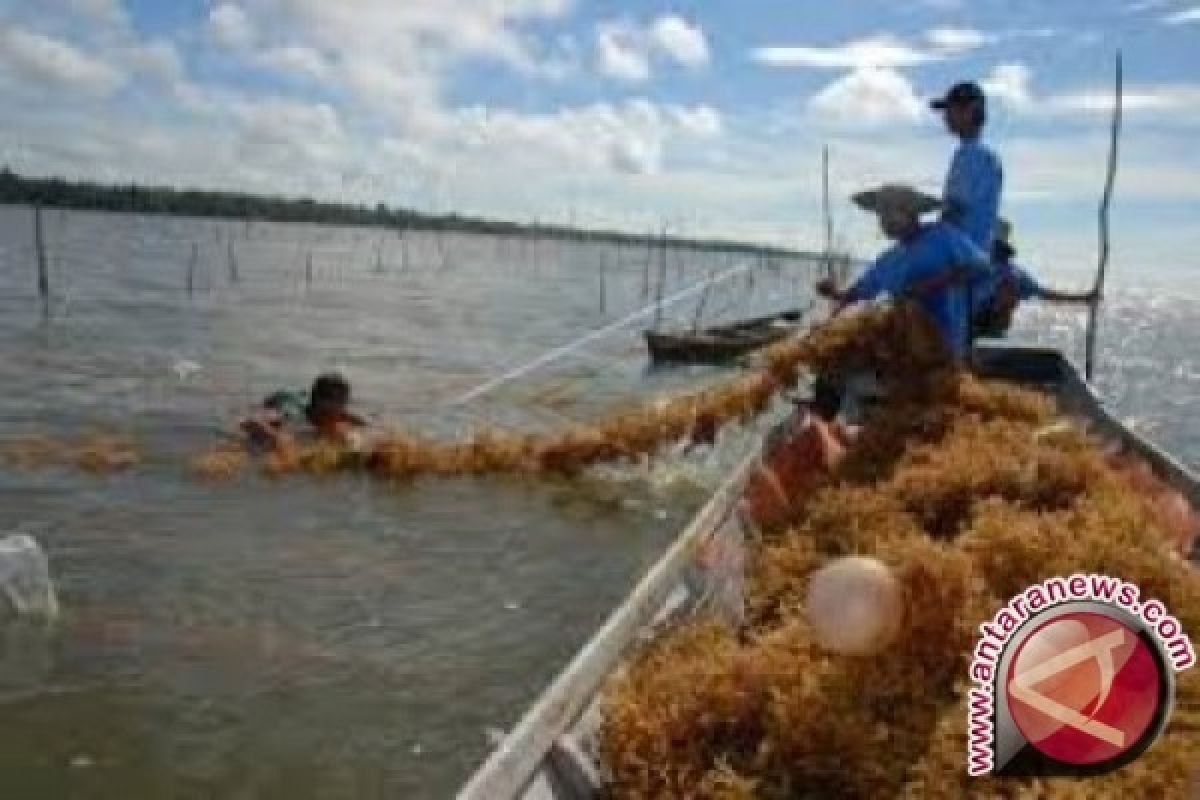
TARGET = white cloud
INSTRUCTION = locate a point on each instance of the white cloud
(701, 121)
(1180, 101)
(56, 64)
(620, 53)
(957, 40)
(632, 137)
(295, 60)
(680, 40)
(626, 51)
(1011, 84)
(882, 50)
(867, 96)
(1183, 17)
(230, 27)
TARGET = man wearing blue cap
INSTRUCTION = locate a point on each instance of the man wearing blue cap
(976, 178)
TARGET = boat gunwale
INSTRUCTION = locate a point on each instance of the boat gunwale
(514, 765)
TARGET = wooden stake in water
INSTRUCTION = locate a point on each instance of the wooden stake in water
(827, 214)
(662, 280)
(43, 276)
(233, 262)
(308, 270)
(193, 260)
(703, 300)
(1109, 181)
(646, 268)
(603, 285)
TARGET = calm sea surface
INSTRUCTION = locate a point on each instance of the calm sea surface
(341, 638)
(318, 638)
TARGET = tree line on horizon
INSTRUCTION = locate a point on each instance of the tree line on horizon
(57, 192)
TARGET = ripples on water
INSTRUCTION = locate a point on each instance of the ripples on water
(340, 638)
(307, 638)
(1147, 365)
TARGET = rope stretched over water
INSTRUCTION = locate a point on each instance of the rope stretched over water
(599, 333)
(897, 342)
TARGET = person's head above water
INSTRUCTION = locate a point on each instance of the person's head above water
(899, 208)
(329, 397)
(964, 107)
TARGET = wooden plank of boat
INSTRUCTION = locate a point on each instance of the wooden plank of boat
(541, 759)
(722, 343)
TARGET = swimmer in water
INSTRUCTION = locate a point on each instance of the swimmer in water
(325, 409)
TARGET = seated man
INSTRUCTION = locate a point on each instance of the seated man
(931, 262)
(996, 298)
(325, 409)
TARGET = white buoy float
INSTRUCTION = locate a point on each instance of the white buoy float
(25, 584)
(855, 605)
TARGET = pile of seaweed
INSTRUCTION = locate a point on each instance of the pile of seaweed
(901, 340)
(97, 453)
(970, 491)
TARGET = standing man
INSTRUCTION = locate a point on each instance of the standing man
(975, 182)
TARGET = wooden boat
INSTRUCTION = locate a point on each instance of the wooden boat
(721, 344)
(546, 756)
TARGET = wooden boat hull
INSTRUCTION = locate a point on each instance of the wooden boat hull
(546, 756)
(720, 344)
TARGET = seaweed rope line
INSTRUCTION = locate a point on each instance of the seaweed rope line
(559, 352)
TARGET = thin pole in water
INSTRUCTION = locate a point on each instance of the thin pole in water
(603, 284)
(308, 270)
(1106, 200)
(646, 266)
(233, 262)
(191, 268)
(43, 276)
(662, 280)
(827, 215)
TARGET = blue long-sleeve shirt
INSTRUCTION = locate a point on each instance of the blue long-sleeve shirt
(972, 192)
(937, 248)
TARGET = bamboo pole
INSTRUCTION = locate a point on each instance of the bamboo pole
(827, 215)
(703, 300)
(1106, 200)
(662, 279)
(43, 275)
(234, 277)
(603, 284)
(193, 260)
(646, 267)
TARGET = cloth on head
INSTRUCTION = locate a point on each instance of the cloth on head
(896, 198)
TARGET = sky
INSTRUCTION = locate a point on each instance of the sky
(708, 118)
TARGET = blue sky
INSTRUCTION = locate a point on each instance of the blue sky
(709, 116)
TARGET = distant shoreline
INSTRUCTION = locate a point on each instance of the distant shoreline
(87, 196)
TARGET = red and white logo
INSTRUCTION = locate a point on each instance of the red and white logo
(1074, 676)
(1085, 689)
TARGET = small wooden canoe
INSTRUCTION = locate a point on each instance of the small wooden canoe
(548, 755)
(721, 344)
